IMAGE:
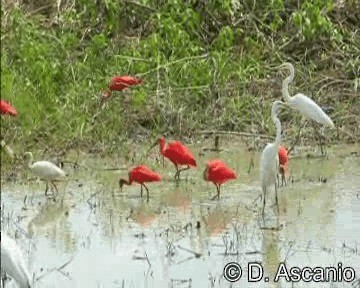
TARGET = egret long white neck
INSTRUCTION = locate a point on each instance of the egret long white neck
(287, 81)
(278, 130)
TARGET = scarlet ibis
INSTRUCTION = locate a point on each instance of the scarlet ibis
(119, 83)
(7, 109)
(283, 160)
(217, 172)
(141, 174)
(178, 154)
(269, 161)
(13, 261)
(45, 170)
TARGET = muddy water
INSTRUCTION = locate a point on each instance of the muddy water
(182, 238)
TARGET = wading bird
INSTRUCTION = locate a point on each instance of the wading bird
(303, 103)
(269, 161)
(283, 161)
(178, 154)
(45, 170)
(13, 262)
(217, 172)
(141, 174)
(7, 109)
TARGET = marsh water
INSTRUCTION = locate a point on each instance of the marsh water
(97, 236)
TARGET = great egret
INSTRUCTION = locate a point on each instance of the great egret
(269, 161)
(13, 262)
(45, 170)
(303, 103)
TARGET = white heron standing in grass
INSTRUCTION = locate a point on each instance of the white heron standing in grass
(46, 170)
(269, 162)
(303, 103)
(13, 262)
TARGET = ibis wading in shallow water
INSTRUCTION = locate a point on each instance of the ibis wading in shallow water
(303, 103)
(217, 172)
(13, 262)
(283, 161)
(269, 161)
(45, 170)
(178, 154)
(141, 174)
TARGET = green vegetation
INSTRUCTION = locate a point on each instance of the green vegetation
(205, 65)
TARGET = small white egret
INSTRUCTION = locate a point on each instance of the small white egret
(269, 162)
(13, 262)
(46, 170)
(303, 103)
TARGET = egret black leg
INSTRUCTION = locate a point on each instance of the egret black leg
(276, 199)
(57, 191)
(264, 201)
(47, 188)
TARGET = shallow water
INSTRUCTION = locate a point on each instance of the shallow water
(115, 239)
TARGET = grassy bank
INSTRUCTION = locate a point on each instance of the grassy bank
(204, 66)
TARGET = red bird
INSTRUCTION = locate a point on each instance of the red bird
(217, 172)
(7, 109)
(141, 174)
(119, 83)
(283, 161)
(178, 154)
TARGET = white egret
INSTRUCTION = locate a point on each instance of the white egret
(269, 162)
(13, 262)
(46, 170)
(303, 103)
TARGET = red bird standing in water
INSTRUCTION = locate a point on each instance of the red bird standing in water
(217, 172)
(141, 174)
(283, 161)
(178, 154)
(7, 109)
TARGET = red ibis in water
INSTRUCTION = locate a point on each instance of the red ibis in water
(178, 154)
(141, 174)
(283, 161)
(217, 172)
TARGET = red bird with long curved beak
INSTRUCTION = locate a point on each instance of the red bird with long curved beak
(7, 109)
(119, 83)
(217, 172)
(141, 174)
(178, 154)
(283, 161)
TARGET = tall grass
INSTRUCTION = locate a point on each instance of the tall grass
(202, 66)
